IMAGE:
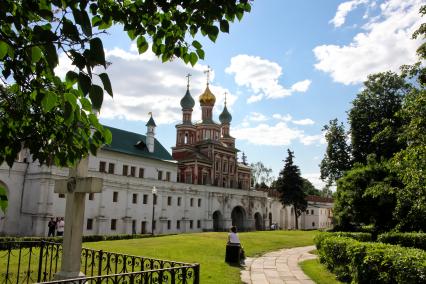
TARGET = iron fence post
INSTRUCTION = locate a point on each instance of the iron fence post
(197, 274)
(40, 261)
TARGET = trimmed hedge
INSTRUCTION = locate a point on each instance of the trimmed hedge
(414, 240)
(366, 262)
(363, 237)
(91, 238)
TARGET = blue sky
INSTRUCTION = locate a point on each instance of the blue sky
(288, 68)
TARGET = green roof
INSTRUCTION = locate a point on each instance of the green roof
(187, 102)
(225, 116)
(135, 144)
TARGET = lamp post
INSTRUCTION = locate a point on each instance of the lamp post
(154, 191)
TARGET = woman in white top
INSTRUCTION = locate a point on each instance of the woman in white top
(233, 240)
(233, 237)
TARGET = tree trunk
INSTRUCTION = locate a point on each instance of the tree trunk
(295, 216)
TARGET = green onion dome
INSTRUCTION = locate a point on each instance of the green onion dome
(225, 116)
(187, 102)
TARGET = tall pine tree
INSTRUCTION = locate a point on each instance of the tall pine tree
(290, 186)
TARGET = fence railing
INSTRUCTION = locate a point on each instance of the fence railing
(39, 261)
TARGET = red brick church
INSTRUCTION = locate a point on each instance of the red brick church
(205, 151)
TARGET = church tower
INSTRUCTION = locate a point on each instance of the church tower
(187, 103)
(205, 151)
(150, 134)
(185, 132)
(225, 119)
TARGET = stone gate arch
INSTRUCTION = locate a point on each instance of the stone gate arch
(238, 216)
(217, 221)
(258, 222)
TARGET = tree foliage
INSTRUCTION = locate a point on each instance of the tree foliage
(365, 195)
(261, 175)
(290, 186)
(309, 188)
(388, 191)
(53, 117)
(337, 157)
(410, 163)
(373, 122)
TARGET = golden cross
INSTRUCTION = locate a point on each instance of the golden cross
(208, 74)
(187, 76)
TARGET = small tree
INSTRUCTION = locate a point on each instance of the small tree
(337, 157)
(309, 188)
(290, 186)
(261, 175)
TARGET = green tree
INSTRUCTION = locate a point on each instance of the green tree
(421, 50)
(261, 175)
(410, 163)
(337, 157)
(309, 188)
(374, 128)
(364, 196)
(290, 186)
(53, 117)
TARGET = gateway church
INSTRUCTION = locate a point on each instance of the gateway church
(201, 186)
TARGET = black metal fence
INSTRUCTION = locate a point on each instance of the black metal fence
(38, 261)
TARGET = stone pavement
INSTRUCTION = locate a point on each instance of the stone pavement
(278, 267)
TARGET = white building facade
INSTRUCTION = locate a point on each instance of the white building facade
(126, 204)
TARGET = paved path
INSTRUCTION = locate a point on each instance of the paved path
(278, 267)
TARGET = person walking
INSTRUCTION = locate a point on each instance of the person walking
(52, 226)
(60, 227)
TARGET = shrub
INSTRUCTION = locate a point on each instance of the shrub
(414, 240)
(366, 262)
(363, 237)
(30, 241)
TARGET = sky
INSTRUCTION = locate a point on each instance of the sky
(288, 68)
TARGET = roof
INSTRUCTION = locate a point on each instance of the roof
(225, 116)
(135, 144)
(315, 198)
(150, 122)
(187, 102)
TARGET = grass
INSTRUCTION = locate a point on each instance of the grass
(208, 249)
(318, 272)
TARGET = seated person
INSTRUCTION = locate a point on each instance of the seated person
(233, 237)
(234, 250)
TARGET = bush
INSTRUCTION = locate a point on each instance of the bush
(30, 241)
(414, 240)
(363, 237)
(366, 262)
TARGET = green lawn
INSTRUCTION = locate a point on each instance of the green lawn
(207, 249)
(318, 272)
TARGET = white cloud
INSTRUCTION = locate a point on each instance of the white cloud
(385, 44)
(306, 121)
(279, 134)
(342, 11)
(255, 116)
(261, 76)
(286, 117)
(312, 139)
(271, 135)
(301, 86)
(254, 98)
(142, 84)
